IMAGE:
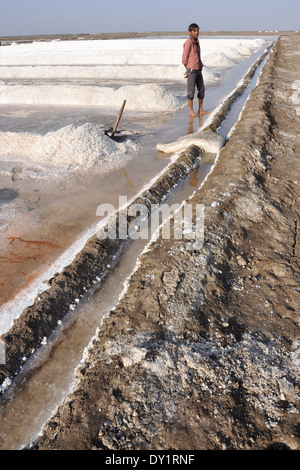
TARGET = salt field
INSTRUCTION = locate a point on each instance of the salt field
(58, 164)
(96, 331)
(147, 73)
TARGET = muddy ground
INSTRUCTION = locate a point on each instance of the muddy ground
(202, 350)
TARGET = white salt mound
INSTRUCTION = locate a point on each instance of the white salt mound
(208, 141)
(149, 97)
(70, 146)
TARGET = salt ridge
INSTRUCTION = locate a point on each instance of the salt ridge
(141, 59)
(145, 97)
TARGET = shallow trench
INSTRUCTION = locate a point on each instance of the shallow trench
(48, 376)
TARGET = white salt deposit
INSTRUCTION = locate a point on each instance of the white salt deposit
(121, 52)
(83, 146)
(208, 141)
(140, 59)
(145, 98)
(102, 74)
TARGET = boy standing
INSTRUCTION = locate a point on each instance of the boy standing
(191, 59)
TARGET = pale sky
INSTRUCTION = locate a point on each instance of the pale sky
(27, 17)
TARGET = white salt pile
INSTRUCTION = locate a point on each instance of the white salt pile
(208, 141)
(144, 98)
(70, 146)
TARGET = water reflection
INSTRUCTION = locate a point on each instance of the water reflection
(191, 124)
(193, 177)
(193, 181)
(7, 195)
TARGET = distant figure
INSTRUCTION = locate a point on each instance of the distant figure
(191, 59)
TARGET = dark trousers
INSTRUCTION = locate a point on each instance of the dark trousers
(195, 79)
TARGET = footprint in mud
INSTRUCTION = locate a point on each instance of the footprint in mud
(7, 195)
(17, 173)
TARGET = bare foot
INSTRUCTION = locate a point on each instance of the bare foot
(192, 114)
(203, 112)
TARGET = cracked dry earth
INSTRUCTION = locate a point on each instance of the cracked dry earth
(202, 350)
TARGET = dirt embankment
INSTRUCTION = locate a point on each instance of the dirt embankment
(201, 352)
